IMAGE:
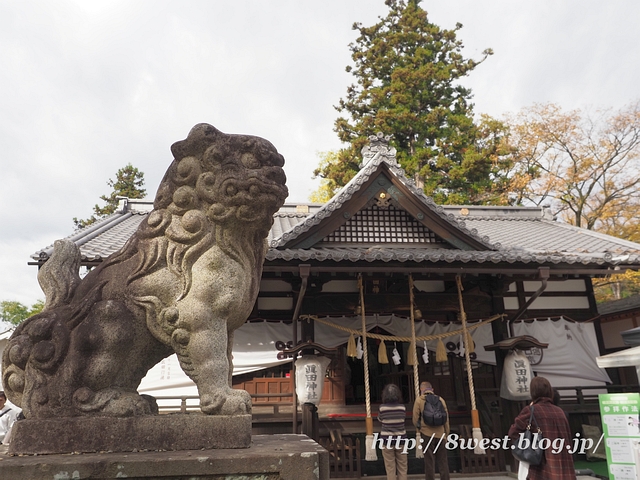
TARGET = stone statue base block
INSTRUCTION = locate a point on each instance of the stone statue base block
(270, 457)
(131, 434)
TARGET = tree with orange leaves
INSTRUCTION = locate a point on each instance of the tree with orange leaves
(586, 165)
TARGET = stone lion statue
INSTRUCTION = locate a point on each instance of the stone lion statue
(183, 283)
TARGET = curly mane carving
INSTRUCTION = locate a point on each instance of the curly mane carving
(182, 283)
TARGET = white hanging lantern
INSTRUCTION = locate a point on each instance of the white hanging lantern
(516, 377)
(310, 372)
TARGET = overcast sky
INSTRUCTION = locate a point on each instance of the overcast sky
(88, 86)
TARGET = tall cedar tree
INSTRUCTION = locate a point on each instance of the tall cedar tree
(128, 183)
(407, 71)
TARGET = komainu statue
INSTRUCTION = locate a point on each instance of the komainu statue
(183, 283)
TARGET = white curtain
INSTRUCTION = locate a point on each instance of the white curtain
(570, 359)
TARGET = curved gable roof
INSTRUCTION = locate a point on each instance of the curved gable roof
(382, 174)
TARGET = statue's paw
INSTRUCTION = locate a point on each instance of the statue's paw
(114, 402)
(238, 402)
(226, 402)
(211, 403)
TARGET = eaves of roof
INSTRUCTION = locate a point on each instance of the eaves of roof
(399, 254)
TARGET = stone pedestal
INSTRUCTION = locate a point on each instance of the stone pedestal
(270, 457)
(149, 432)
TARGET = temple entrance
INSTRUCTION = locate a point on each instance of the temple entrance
(449, 378)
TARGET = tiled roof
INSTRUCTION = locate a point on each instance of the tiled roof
(526, 235)
(370, 167)
(285, 221)
(102, 238)
(107, 235)
(616, 306)
(542, 236)
(105, 245)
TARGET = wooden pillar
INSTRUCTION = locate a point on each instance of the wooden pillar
(307, 331)
(460, 384)
(310, 421)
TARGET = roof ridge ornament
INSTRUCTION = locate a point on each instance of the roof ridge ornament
(379, 144)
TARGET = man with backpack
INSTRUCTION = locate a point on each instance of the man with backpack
(431, 418)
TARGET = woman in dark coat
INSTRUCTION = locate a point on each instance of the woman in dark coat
(557, 463)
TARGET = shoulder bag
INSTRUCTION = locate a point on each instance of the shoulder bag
(523, 447)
